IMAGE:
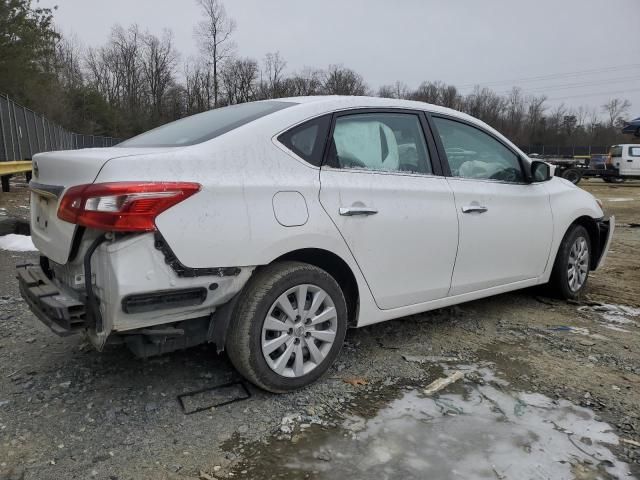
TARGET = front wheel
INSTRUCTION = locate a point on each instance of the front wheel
(571, 268)
(288, 327)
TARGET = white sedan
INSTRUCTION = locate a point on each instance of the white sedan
(271, 227)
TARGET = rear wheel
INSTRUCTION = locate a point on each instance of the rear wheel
(288, 328)
(571, 268)
(573, 175)
(613, 179)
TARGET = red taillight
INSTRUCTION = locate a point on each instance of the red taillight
(122, 206)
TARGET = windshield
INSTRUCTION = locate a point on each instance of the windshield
(204, 126)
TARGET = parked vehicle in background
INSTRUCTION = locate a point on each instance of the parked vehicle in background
(624, 161)
(632, 127)
(271, 227)
(598, 162)
(620, 164)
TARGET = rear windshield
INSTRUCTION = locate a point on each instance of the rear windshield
(204, 126)
(616, 151)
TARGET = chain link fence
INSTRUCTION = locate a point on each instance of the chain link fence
(23, 133)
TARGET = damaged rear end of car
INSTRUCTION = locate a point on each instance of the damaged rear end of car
(105, 268)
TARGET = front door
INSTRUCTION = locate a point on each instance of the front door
(397, 218)
(506, 226)
(632, 160)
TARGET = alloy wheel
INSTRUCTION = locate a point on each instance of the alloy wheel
(299, 330)
(578, 264)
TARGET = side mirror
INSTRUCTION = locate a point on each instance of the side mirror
(540, 171)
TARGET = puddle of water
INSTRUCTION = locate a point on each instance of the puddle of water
(469, 431)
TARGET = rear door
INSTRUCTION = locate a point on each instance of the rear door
(392, 206)
(506, 225)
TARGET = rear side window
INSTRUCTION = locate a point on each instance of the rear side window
(205, 126)
(392, 142)
(616, 151)
(308, 139)
(634, 151)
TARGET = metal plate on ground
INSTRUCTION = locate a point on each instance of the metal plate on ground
(217, 396)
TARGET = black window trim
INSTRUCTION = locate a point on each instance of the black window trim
(524, 166)
(434, 158)
(276, 139)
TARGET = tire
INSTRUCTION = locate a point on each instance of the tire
(249, 330)
(561, 282)
(613, 179)
(573, 175)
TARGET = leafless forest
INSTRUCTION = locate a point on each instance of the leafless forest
(137, 80)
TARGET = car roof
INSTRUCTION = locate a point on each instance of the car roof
(309, 107)
(338, 102)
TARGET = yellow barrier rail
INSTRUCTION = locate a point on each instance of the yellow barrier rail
(9, 168)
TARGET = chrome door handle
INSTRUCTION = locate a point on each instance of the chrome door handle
(474, 209)
(351, 211)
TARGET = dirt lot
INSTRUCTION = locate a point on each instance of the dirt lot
(552, 390)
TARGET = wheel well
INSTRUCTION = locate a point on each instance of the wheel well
(594, 236)
(337, 268)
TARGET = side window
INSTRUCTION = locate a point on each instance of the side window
(634, 151)
(308, 140)
(471, 153)
(380, 141)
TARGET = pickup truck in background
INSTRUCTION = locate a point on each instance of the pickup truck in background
(622, 163)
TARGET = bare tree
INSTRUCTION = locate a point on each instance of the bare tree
(214, 37)
(484, 104)
(428, 92)
(339, 80)
(535, 116)
(449, 96)
(115, 68)
(398, 90)
(158, 64)
(198, 86)
(126, 58)
(615, 109)
(239, 79)
(307, 82)
(68, 52)
(272, 84)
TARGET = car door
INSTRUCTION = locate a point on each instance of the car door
(631, 161)
(506, 225)
(394, 210)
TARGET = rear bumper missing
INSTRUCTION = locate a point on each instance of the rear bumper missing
(63, 314)
(606, 226)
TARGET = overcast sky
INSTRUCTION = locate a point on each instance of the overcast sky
(587, 50)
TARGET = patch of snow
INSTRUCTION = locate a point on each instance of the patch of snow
(615, 315)
(620, 199)
(17, 243)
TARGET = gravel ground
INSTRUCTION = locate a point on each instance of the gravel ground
(67, 411)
